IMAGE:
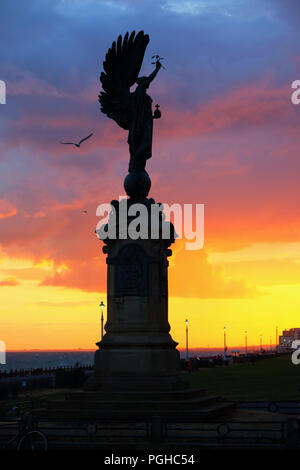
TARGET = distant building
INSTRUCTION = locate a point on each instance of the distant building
(287, 338)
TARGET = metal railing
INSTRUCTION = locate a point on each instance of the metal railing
(73, 432)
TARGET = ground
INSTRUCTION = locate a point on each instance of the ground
(270, 379)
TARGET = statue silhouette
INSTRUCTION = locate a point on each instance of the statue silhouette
(131, 110)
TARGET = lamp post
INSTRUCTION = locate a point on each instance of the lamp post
(260, 336)
(186, 340)
(270, 343)
(246, 351)
(225, 348)
(102, 307)
(276, 336)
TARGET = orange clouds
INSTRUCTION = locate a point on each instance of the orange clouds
(191, 275)
(89, 276)
(9, 281)
(45, 221)
(7, 209)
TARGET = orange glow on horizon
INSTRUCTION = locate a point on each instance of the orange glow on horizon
(38, 316)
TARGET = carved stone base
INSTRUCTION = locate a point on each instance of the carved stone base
(137, 351)
(137, 362)
(136, 383)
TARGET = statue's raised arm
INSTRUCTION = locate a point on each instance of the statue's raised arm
(131, 111)
(153, 74)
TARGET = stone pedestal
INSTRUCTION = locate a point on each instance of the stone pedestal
(137, 351)
(137, 367)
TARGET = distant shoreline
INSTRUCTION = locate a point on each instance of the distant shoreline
(191, 350)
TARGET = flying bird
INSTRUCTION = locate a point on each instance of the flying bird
(79, 143)
(85, 211)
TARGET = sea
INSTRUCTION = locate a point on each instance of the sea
(16, 360)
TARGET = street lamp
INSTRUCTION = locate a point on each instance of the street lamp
(246, 352)
(225, 348)
(270, 343)
(186, 340)
(102, 307)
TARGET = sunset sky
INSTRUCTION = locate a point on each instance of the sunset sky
(229, 138)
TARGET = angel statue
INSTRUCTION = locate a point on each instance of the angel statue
(131, 110)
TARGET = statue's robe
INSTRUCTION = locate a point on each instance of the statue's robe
(141, 130)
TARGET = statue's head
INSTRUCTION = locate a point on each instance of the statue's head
(141, 81)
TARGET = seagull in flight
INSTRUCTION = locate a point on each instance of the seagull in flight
(79, 143)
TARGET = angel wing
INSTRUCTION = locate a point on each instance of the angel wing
(122, 65)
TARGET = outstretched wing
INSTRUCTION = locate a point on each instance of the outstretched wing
(122, 65)
(82, 140)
